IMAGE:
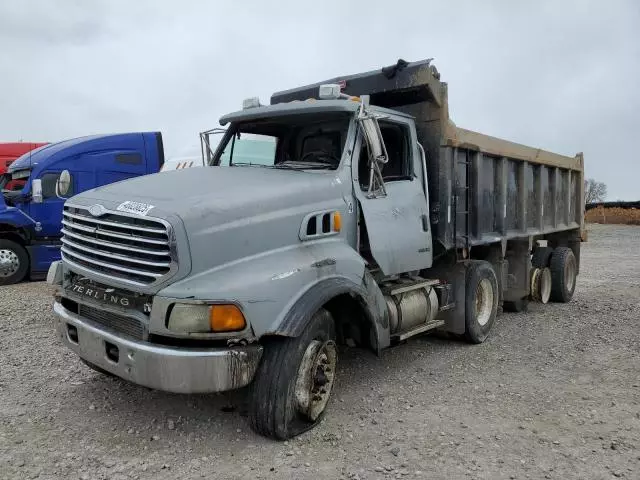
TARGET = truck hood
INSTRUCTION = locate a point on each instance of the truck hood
(220, 194)
(228, 213)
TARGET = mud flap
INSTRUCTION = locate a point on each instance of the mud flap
(454, 317)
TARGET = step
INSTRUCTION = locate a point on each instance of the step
(398, 337)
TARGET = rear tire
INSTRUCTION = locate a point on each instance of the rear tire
(14, 262)
(541, 257)
(293, 384)
(564, 270)
(481, 300)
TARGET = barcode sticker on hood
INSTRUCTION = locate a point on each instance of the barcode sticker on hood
(134, 207)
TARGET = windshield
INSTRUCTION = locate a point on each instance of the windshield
(250, 148)
(305, 142)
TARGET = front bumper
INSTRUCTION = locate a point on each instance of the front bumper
(172, 369)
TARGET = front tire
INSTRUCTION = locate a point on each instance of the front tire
(293, 384)
(564, 270)
(481, 301)
(14, 262)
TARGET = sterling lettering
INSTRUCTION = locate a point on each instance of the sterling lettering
(101, 295)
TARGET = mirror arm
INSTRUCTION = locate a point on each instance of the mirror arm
(384, 147)
(376, 181)
(205, 145)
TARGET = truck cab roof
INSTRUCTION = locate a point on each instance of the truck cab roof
(69, 148)
(296, 107)
(33, 157)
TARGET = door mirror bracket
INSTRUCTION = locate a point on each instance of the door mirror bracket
(377, 151)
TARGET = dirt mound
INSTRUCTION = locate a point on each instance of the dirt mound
(624, 216)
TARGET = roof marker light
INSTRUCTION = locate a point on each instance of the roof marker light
(330, 91)
(252, 102)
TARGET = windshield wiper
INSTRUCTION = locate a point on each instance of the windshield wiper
(247, 164)
(293, 165)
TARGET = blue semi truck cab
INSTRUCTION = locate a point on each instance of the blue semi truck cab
(31, 212)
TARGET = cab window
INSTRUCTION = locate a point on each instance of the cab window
(398, 166)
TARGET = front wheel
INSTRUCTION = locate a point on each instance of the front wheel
(293, 384)
(14, 262)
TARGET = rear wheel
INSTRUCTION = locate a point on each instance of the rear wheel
(14, 262)
(564, 271)
(541, 285)
(481, 301)
(293, 384)
(541, 257)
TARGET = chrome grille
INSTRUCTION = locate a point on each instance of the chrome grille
(127, 325)
(137, 250)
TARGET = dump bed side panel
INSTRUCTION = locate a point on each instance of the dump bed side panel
(456, 136)
(484, 198)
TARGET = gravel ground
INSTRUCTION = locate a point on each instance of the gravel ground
(554, 393)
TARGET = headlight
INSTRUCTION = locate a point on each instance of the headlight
(191, 318)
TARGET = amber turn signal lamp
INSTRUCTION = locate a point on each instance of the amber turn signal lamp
(337, 221)
(226, 318)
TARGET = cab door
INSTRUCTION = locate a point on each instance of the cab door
(397, 223)
(48, 214)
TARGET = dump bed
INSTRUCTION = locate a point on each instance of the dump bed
(482, 189)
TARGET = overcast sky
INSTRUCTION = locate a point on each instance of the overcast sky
(560, 75)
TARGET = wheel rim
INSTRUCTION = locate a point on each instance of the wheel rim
(570, 273)
(316, 376)
(9, 262)
(545, 285)
(484, 302)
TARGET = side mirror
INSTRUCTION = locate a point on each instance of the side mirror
(36, 191)
(63, 184)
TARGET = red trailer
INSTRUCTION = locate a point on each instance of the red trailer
(11, 151)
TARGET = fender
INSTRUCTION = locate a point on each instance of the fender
(299, 315)
(19, 233)
(280, 287)
(9, 228)
(14, 219)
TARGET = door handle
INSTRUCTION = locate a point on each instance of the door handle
(425, 223)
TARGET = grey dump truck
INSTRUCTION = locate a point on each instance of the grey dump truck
(352, 211)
